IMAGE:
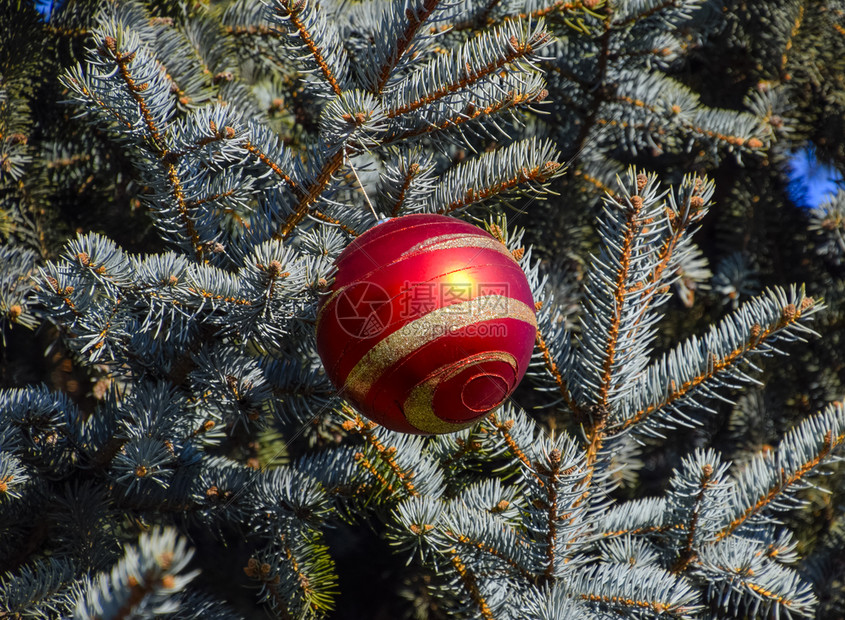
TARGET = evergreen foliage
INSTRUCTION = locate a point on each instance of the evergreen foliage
(176, 179)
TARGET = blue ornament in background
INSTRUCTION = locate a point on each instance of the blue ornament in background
(48, 7)
(811, 182)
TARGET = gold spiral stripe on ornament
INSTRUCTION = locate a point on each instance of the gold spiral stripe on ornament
(457, 241)
(419, 406)
(429, 328)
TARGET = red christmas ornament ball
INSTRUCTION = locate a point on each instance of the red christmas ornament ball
(429, 324)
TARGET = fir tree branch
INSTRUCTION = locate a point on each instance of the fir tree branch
(497, 174)
(410, 174)
(63, 292)
(295, 585)
(743, 580)
(694, 197)
(470, 584)
(157, 139)
(619, 297)
(679, 224)
(594, 181)
(560, 6)
(179, 195)
(556, 374)
(660, 111)
(636, 531)
(636, 605)
(484, 547)
(636, 590)
(482, 18)
(62, 31)
(143, 579)
(201, 292)
(217, 135)
(135, 90)
(595, 442)
(655, 8)
(415, 20)
(503, 428)
(138, 590)
(99, 102)
(251, 30)
(538, 174)
(550, 10)
(385, 453)
(687, 553)
(617, 321)
(265, 159)
(785, 481)
(294, 13)
(373, 471)
(755, 340)
(101, 339)
(334, 222)
(796, 26)
(509, 102)
(263, 573)
(215, 197)
(766, 594)
(465, 447)
(515, 51)
(552, 515)
(46, 583)
(310, 195)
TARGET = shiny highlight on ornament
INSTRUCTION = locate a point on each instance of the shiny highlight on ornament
(429, 325)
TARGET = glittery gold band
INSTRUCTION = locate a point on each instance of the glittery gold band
(428, 328)
(461, 240)
(419, 406)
